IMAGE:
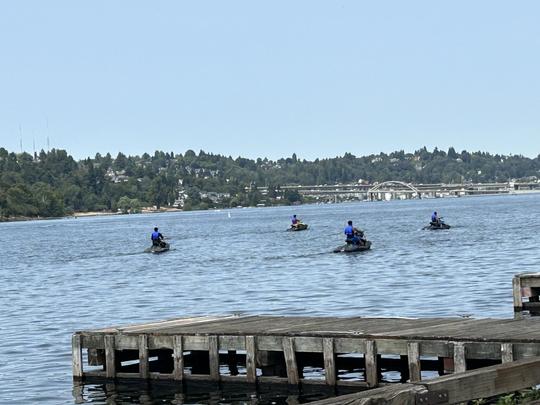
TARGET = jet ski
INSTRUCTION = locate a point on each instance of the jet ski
(350, 247)
(433, 226)
(298, 227)
(162, 247)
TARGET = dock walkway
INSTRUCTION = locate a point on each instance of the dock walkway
(355, 351)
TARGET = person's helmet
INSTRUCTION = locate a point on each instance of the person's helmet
(435, 212)
(349, 222)
(156, 228)
(294, 216)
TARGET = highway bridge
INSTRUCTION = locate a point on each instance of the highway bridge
(401, 190)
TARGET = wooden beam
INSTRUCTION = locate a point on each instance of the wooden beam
(329, 361)
(143, 356)
(487, 381)
(110, 360)
(460, 364)
(413, 355)
(178, 354)
(213, 354)
(76, 356)
(516, 290)
(290, 361)
(372, 377)
(394, 394)
(251, 359)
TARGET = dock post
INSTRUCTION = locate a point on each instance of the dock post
(77, 356)
(329, 361)
(460, 364)
(251, 359)
(372, 375)
(213, 355)
(178, 353)
(143, 356)
(518, 299)
(507, 352)
(413, 354)
(110, 360)
(290, 360)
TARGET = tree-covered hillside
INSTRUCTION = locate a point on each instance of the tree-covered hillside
(54, 184)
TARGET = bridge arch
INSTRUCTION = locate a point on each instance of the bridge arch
(389, 187)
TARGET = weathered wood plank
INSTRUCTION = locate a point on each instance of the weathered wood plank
(516, 291)
(488, 381)
(396, 394)
(195, 343)
(330, 371)
(178, 355)
(251, 359)
(232, 343)
(413, 355)
(372, 377)
(143, 356)
(460, 364)
(507, 352)
(290, 361)
(76, 356)
(110, 360)
(213, 353)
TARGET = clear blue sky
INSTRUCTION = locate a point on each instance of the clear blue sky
(256, 79)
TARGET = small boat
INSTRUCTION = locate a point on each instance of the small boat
(435, 227)
(350, 248)
(298, 227)
(158, 249)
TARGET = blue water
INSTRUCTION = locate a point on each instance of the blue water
(59, 276)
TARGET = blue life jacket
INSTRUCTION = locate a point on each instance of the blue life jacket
(349, 231)
(433, 218)
(155, 235)
(294, 221)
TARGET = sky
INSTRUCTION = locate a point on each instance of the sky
(268, 79)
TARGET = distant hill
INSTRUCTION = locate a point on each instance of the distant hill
(52, 183)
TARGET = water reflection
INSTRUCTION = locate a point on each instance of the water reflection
(158, 392)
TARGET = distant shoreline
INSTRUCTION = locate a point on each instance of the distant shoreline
(86, 215)
(163, 210)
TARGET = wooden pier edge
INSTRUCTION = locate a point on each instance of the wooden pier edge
(450, 389)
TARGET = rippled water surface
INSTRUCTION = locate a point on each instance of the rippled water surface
(64, 275)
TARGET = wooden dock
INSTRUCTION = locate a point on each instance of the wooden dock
(342, 351)
(412, 361)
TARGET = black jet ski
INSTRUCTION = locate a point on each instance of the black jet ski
(298, 227)
(433, 226)
(350, 247)
(162, 247)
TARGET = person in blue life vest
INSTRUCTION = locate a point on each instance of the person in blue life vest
(295, 221)
(157, 238)
(435, 220)
(354, 235)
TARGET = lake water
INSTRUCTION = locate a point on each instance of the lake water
(59, 276)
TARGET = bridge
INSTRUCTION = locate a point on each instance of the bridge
(401, 190)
